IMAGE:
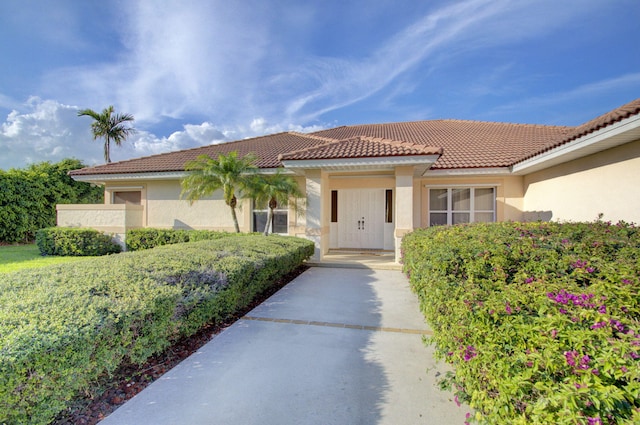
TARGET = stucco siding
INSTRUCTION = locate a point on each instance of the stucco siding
(165, 209)
(605, 183)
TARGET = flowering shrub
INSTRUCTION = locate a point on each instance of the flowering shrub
(541, 321)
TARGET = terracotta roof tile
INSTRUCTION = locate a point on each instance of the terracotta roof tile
(465, 144)
(267, 148)
(462, 144)
(605, 120)
(361, 147)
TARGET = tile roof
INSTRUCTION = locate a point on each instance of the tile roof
(461, 143)
(361, 147)
(267, 148)
(605, 120)
(465, 144)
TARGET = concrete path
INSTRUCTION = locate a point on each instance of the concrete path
(335, 346)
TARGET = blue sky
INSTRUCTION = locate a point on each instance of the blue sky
(199, 72)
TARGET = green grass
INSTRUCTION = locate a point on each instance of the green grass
(18, 257)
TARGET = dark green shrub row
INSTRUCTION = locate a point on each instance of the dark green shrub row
(147, 238)
(541, 321)
(61, 327)
(28, 197)
(71, 241)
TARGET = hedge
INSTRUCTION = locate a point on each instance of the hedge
(28, 197)
(541, 321)
(61, 327)
(146, 238)
(68, 241)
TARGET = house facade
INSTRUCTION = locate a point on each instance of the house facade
(366, 186)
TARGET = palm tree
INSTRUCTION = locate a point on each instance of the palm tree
(111, 127)
(228, 173)
(273, 190)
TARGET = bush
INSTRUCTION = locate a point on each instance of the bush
(540, 320)
(28, 197)
(61, 327)
(147, 238)
(68, 241)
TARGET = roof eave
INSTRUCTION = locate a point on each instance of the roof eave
(421, 162)
(624, 131)
(469, 172)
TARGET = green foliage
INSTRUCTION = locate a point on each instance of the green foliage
(28, 197)
(146, 238)
(70, 241)
(112, 127)
(541, 321)
(227, 173)
(61, 327)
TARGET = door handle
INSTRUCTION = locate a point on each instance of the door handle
(362, 223)
(358, 224)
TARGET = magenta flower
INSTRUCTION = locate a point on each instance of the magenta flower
(507, 308)
(469, 353)
(594, 421)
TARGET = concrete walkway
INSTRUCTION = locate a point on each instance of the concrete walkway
(335, 346)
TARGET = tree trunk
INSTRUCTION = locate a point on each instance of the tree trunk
(235, 219)
(267, 226)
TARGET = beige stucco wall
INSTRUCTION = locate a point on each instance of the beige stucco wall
(166, 209)
(607, 183)
(509, 194)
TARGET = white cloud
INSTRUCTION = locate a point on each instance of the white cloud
(46, 130)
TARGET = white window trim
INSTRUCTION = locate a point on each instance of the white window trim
(471, 211)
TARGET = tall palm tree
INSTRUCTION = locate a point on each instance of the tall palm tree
(228, 172)
(109, 126)
(273, 190)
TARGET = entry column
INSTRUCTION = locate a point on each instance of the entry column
(404, 205)
(317, 209)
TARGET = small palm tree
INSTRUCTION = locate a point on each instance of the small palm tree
(273, 190)
(111, 127)
(228, 172)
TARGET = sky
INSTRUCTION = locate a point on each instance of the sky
(197, 72)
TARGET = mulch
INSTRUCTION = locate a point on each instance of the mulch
(110, 392)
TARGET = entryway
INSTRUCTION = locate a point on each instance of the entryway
(361, 218)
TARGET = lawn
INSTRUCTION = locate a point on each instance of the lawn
(18, 257)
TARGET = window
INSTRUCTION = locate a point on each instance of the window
(388, 206)
(127, 197)
(334, 206)
(461, 205)
(280, 223)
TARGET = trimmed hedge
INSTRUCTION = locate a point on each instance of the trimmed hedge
(73, 241)
(28, 197)
(541, 321)
(62, 327)
(147, 238)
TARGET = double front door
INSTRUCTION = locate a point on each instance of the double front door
(361, 218)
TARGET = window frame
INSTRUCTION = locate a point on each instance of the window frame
(472, 211)
(279, 210)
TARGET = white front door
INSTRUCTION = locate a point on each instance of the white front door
(361, 218)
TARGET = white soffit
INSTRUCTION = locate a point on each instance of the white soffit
(359, 164)
(165, 175)
(617, 134)
(469, 172)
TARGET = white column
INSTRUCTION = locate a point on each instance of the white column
(404, 205)
(314, 210)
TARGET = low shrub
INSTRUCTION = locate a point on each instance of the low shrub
(146, 238)
(72, 241)
(61, 327)
(541, 321)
